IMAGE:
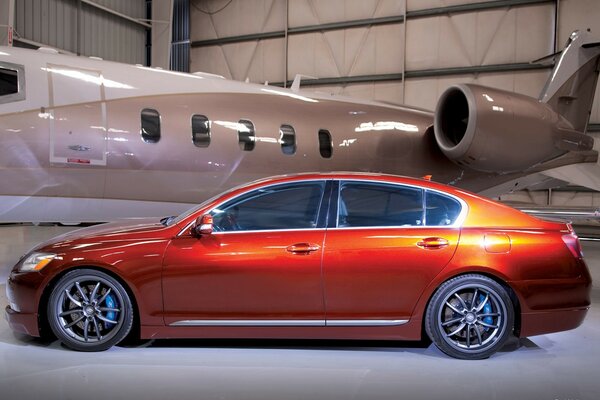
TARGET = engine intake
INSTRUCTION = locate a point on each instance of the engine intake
(492, 130)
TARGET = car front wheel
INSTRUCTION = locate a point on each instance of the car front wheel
(89, 310)
(470, 317)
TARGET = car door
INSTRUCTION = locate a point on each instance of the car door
(380, 253)
(261, 265)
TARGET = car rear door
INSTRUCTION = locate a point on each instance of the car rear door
(380, 254)
(260, 267)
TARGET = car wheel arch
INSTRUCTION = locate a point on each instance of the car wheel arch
(43, 323)
(483, 271)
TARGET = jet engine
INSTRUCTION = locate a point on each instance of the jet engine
(492, 130)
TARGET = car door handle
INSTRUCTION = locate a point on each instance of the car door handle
(433, 243)
(303, 248)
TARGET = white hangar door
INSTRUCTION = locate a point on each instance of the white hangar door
(78, 126)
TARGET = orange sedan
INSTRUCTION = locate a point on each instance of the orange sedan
(337, 256)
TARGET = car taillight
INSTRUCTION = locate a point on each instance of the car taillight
(572, 242)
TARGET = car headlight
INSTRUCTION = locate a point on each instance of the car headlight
(36, 261)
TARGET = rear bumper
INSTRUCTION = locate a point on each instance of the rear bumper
(539, 323)
(22, 322)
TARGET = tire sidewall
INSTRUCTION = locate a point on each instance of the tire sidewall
(434, 308)
(53, 319)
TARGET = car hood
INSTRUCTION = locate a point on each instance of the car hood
(137, 226)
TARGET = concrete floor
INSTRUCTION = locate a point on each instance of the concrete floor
(559, 366)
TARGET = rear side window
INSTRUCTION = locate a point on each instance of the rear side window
(325, 145)
(12, 82)
(200, 131)
(246, 135)
(150, 125)
(441, 210)
(372, 204)
(287, 138)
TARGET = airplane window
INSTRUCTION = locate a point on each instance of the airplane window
(150, 125)
(200, 131)
(368, 204)
(440, 210)
(246, 136)
(9, 82)
(325, 145)
(287, 138)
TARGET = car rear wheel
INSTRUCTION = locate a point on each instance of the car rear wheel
(470, 317)
(89, 310)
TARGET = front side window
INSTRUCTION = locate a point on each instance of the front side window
(441, 210)
(288, 206)
(363, 204)
(12, 82)
(246, 135)
(200, 131)
(287, 138)
(150, 125)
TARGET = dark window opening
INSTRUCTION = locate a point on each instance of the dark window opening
(441, 210)
(9, 82)
(246, 136)
(367, 204)
(200, 131)
(325, 145)
(150, 125)
(287, 138)
(289, 206)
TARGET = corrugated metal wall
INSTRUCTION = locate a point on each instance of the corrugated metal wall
(410, 53)
(54, 23)
(180, 47)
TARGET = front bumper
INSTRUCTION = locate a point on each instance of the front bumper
(22, 291)
(22, 322)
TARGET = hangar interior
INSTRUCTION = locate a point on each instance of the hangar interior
(397, 51)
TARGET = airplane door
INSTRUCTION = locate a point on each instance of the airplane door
(78, 123)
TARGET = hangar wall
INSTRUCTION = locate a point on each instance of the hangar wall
(401, 51)
(103, 33)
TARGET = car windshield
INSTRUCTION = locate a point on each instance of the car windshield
(175, 220)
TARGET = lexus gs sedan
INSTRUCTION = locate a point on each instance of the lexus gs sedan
(330, 256)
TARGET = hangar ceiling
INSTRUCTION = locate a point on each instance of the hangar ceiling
(363, 48)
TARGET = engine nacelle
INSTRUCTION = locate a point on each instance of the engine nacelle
(492, 130)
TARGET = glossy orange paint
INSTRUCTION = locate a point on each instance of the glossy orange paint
(384, 273)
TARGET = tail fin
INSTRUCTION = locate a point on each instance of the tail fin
(571, 87)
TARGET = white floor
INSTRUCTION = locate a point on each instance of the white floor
(559, 366)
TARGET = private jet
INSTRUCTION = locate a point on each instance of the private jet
(88, 140)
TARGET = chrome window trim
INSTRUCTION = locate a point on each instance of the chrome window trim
(20, 95)
(290, 322)
(457, 224)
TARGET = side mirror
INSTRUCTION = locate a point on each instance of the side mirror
(202, 226)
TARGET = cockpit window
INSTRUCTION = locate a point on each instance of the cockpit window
(150, 125)
(12, 82)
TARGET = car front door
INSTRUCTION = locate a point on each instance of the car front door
(381, 253)
(261, 265)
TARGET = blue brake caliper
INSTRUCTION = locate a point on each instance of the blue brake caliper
(110, 303)
(487, 309)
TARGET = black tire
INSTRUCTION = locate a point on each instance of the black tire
(470, 317)
(89, 310)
